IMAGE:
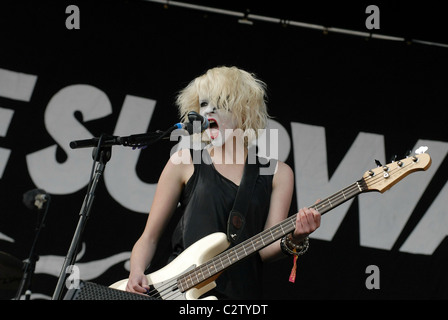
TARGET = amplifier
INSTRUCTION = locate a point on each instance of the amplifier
(93, 291)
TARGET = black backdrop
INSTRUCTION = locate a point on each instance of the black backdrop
(131, 50)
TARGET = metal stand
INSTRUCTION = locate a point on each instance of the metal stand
(30, 263)
(101, 156)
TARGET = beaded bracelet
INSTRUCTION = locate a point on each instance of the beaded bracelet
(298, 249)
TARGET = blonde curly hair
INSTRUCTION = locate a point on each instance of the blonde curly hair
(232, 89)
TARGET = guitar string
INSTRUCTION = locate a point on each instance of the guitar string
(240, 250)
(226, 258)
(270, 235)
(162, 291)
(349, 192)
(237, 249)
(355, 188)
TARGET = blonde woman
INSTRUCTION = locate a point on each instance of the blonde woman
(232, 100)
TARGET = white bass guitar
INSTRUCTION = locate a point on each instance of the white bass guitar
(195, 270)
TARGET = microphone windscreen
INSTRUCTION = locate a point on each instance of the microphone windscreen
(30, 196)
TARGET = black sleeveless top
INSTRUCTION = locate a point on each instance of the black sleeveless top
(206, 202)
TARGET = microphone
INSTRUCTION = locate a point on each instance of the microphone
(137, 140)
(35, 198)
(194, 117)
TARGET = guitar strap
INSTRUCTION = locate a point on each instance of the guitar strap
(237, 220)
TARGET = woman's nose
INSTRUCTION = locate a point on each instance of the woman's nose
(208, 109)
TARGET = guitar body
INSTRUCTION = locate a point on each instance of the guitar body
(164, 279)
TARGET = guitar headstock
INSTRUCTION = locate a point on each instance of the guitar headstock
(384, 177)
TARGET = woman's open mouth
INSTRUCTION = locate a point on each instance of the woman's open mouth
(213, 128)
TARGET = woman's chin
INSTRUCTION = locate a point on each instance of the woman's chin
(217, 141)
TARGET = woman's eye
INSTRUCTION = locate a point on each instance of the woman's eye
(204, 104)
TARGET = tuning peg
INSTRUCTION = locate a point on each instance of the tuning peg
(378, 163)
(408, 153)
(393, 158)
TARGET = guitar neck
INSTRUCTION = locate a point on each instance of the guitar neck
(263, 239)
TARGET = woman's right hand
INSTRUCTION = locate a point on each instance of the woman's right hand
(137, 283)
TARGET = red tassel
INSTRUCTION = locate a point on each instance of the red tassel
(292, 276)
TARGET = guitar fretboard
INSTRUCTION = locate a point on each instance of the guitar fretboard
(244, 249)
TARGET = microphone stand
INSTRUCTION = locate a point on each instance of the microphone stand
(30, 263)
(102, 153)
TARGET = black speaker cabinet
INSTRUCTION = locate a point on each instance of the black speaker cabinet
(93, 291)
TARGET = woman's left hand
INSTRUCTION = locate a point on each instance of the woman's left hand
(307, 221)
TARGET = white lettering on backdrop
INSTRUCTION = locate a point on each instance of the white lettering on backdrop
(382, 217)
